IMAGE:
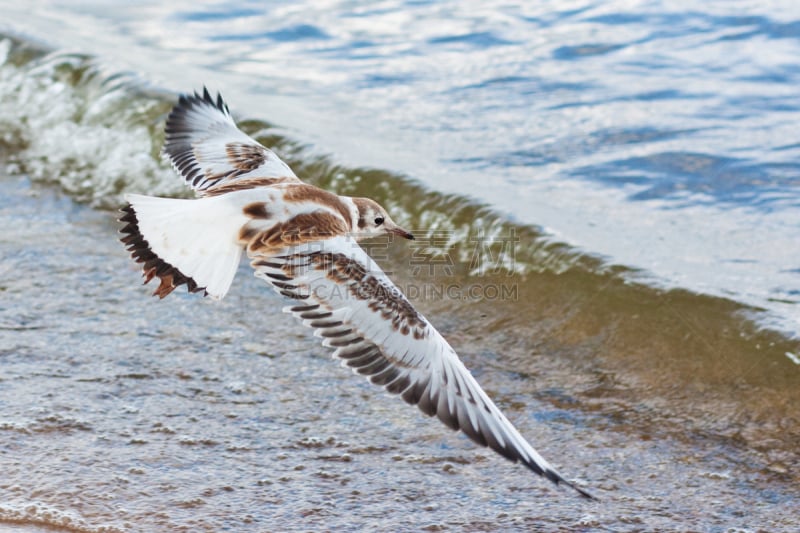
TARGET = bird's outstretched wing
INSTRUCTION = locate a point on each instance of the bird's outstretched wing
(352, 305)
(210, 152)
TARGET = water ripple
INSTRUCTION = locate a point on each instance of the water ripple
(483, 39)
(703, 177)
(300, 32)
(570, 53)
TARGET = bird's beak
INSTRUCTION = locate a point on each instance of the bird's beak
(397, 230)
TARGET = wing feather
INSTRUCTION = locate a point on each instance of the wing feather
(212, 154)
(354, 307)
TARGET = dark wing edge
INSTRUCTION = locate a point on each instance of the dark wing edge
(181, 132)
(152, 265)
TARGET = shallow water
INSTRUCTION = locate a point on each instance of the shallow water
(563, 282)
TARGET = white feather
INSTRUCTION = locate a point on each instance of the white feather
(198, 237)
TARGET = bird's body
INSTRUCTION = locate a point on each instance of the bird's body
(303, 241)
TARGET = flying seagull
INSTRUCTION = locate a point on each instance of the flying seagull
(303, 241)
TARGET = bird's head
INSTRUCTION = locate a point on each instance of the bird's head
(373, 220)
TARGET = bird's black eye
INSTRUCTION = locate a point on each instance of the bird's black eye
(378, 221)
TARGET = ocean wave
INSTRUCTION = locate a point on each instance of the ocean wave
(65, 121)
(69, 122)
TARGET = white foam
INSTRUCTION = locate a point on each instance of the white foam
(36, 516)
(93, 138)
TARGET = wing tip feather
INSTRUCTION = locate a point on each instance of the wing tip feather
(474, 414)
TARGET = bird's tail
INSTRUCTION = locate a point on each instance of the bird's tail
(184, 241)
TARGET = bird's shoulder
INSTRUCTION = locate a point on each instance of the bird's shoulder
(291, 214)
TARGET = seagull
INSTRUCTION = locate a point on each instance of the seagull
(303, 241)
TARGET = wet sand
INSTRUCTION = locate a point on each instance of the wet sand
(124, 413)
